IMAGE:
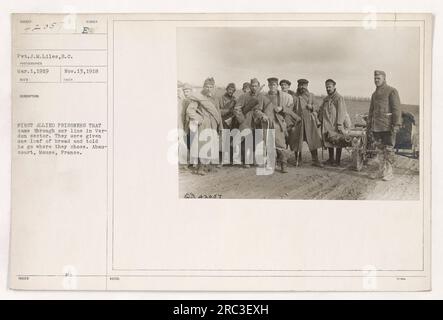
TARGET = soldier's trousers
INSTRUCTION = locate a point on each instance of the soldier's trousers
(387, 138)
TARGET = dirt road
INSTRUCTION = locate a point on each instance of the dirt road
(306, 182)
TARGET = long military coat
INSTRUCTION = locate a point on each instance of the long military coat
(275, 112)
(204, 111)
(332, 115)
(309, 124)
(243, 112)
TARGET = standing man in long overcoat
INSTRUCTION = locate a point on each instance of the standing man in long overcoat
(333, 116)
(308, 128)
(272, 113)
(204, 119)
(243, 114)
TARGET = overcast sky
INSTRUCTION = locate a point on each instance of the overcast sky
(348, 55)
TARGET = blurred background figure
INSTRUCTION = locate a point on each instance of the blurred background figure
(187, 90)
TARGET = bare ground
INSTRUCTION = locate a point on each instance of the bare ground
(306, 182)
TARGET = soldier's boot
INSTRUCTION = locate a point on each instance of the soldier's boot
(220, 160)
(378, 174)
(330, 161)
(338, 157)
(284, 162)
(202, 169)
(246, 160)
(315, 161)
(388, 174)
(296, 159)
(197, 169)
(282, 159)
(219, 165)
(284, 167)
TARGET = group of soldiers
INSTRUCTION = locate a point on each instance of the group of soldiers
(294, 117)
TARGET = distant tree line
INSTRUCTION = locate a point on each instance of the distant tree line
(353, 98)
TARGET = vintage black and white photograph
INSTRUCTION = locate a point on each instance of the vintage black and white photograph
(274, 112)
(299, 112)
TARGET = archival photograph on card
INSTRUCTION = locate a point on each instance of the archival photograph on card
(188, 152)
(299, 112)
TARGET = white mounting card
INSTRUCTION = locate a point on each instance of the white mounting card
(167, 152)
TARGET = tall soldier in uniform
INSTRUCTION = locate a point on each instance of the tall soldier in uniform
(332, 115)
(276, 105)
(384, 121)
(306, 129)
(243, 114)
(203, 118)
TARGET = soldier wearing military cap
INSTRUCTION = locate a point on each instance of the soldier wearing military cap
(187, 90)
(246, 102)
(272, 115)
(227, 105)
(384, 121)
(208, 82)
(333, 116)
(284, 81)
(307, 129)
(285, 86)
(203, 113)
(243, 112)
(330, 81)
(183, 102)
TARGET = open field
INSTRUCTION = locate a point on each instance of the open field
(359, 107)
(306, 182)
